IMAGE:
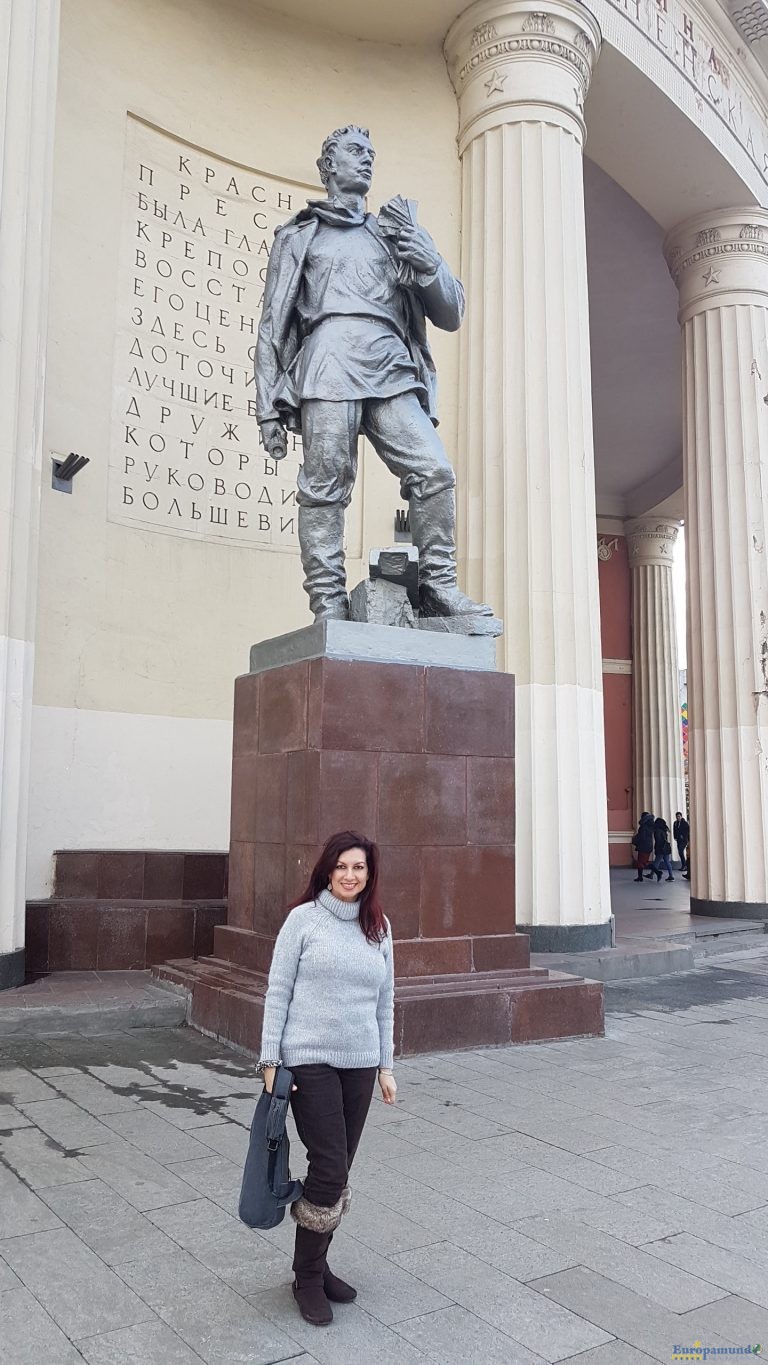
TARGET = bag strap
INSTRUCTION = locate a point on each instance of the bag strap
(278, 1109)
(275, 1132)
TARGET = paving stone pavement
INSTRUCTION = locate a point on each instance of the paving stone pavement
(600, 1201)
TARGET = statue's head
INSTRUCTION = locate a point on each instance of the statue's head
(346, 160)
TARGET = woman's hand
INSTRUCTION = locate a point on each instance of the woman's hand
(388, 1087)
(269, 1078)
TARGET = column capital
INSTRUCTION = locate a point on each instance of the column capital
(719, 258)
(651, 540)
(522, 60)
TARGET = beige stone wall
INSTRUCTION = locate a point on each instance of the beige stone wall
(135, 625)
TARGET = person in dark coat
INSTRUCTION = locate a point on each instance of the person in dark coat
(681, 833)
(642, 842)
(662, 849)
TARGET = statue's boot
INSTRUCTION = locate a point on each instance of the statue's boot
(433, 530)
(321, 539)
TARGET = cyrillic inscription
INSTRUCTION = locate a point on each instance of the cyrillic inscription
(186, 456)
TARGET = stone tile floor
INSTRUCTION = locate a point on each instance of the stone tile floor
(599, 1201)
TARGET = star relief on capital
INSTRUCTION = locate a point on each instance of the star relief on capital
(495, 83)
(711, 276)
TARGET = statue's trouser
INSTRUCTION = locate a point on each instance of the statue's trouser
(403, 436)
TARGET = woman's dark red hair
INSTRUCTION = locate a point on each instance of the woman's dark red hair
(371, 914)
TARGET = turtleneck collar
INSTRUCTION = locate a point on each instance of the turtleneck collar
(341, 909)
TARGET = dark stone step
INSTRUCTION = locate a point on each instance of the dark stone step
(117, 935)
(140, 874)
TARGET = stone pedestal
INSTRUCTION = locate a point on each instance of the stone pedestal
(656, 726)
(719, 262)
(521, 71)
(420, 757)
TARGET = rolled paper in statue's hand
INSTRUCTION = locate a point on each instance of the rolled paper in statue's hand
(395, 215)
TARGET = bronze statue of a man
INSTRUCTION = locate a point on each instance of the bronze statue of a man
(342, 349)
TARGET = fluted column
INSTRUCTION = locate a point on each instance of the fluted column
(657, 733)
(28, 65)
(719, 262)
(521, 71)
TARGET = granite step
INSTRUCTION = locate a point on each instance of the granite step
(628, 960)
(667, 953)
(754, 936)
(90, 1002)
(456, 1010)
(83, 933)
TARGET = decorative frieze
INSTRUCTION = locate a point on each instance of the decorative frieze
(483, 34)
(538, 60)
(651, 540)
(539, 23)
(716, 254)
(606, 547)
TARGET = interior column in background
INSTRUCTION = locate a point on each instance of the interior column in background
(719, 262)
(521, 72)
(28, 66)
(656, 723)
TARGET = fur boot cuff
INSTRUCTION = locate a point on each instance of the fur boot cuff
(320, 1218)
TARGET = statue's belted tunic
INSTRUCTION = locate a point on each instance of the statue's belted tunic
(342, 349)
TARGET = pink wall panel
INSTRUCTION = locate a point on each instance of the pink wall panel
(616, 634)
(616, 600)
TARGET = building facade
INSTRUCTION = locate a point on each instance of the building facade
(598, 175)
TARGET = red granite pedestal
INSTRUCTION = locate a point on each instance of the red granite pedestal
(421, 759)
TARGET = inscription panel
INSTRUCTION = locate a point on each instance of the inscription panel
(683, 36)
(186, 455)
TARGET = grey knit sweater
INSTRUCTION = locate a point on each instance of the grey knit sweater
(330, 997)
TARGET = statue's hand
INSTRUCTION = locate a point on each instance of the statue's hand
(415, 246)
(274, 438)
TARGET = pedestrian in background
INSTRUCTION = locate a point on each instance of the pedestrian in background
(681, 833)
(642, 842)
(662, 850)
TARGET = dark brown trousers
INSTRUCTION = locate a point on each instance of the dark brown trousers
(330, 1106)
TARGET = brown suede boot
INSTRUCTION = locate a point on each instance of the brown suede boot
(309, 1268)
(338, 1291)
(313, 1304)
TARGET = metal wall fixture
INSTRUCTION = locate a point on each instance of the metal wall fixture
(402, 525)
(64, 471)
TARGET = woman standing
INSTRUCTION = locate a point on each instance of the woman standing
(662, 849)
(643, 843)
(328, 1017)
